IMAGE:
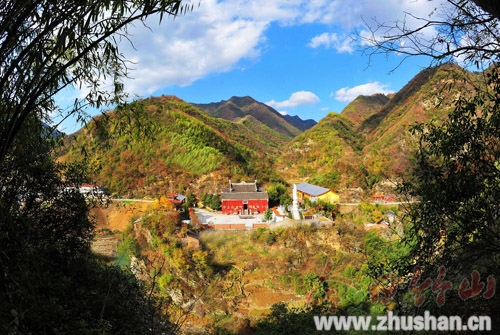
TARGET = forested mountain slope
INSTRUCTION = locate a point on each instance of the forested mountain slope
(238, 108)
(167, 144)
(370, 141)
(241, 139)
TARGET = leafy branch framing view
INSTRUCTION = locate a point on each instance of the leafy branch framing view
(50, 282)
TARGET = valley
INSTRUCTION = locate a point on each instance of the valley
(222, 273)
(229, 279)
(187, 199)
(158, 145)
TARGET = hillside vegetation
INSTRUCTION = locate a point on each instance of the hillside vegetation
(168, 143)
(324, 153)
(230, 282)
(370, 140)
(225, 282)
(238, 108)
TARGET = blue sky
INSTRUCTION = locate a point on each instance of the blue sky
(300, 57)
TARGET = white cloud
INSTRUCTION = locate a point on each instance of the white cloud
(407, 15)
(347, 94)
(349, 14)
(332, 40)
(300, 98)
(217, 36)
(208, 40)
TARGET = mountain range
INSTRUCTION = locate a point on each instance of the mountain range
(168, 144)
(240, 108)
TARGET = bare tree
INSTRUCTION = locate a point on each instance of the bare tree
(463, 31)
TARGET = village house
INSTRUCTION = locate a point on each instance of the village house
(244, 198)
(91, 190)
(176, 199)
(316, 193)
(278, 213)
(381, 198)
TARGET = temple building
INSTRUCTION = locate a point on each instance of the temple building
(244, 199)
(316, 193)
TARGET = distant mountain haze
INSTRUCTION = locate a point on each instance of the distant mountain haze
(299, 123)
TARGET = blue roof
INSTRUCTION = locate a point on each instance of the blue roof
(312, 190)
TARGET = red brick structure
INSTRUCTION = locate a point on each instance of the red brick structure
(381, 198)
(244, 199)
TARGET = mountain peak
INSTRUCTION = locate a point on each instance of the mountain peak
(364, 107)
(237, 108)
(299, 123)
(241, 101)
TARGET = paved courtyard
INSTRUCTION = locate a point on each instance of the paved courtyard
(250, 221)
(207, 217)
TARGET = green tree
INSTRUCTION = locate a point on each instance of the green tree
(190, 200)
(278, 194)
(211, 200)
(268, 215)
(50, 281)
(328, 208)
(314, 285)
(457, 181)
(455, 221)
(47, 46)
